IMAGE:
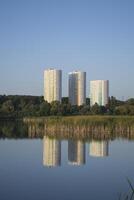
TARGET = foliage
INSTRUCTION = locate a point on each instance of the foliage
(13, 129)
(21, 106)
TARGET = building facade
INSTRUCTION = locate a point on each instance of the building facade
(77, 88)
(99, 92)
(52, 85)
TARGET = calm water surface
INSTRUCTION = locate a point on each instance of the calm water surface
(49, 168)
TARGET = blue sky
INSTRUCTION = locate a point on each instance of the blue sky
(96, 36)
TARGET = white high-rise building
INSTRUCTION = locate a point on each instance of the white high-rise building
(98, 148)
(52, 85)
(99, 92)
(77, 88)
(51, 152)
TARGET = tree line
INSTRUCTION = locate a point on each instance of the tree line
(22, 106)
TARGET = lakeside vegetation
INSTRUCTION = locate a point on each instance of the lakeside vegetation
(130, 194)
(15, 106)
(63, 120)
(83, 127)
(73, 127)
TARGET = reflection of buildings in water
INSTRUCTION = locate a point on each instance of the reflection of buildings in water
(51, 152)
(76, 152)
(98, 148)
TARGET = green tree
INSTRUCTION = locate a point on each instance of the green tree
(84, 110)
(65, 100)
(87, 101)
(124, 110)
(55, 108)
(7, 106)
(44, 109)
(130, 101)
(112, 105)
(95, 109)
(74, 110)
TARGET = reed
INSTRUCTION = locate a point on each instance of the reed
(84, 126)
(130, 194)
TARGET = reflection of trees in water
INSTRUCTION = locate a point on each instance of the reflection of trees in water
(13, 129)
(34, 128)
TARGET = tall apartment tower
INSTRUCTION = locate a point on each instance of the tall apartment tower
(99, 92)
(77, 88)
(52, 85)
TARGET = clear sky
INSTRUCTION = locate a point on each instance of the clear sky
(96, 36)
